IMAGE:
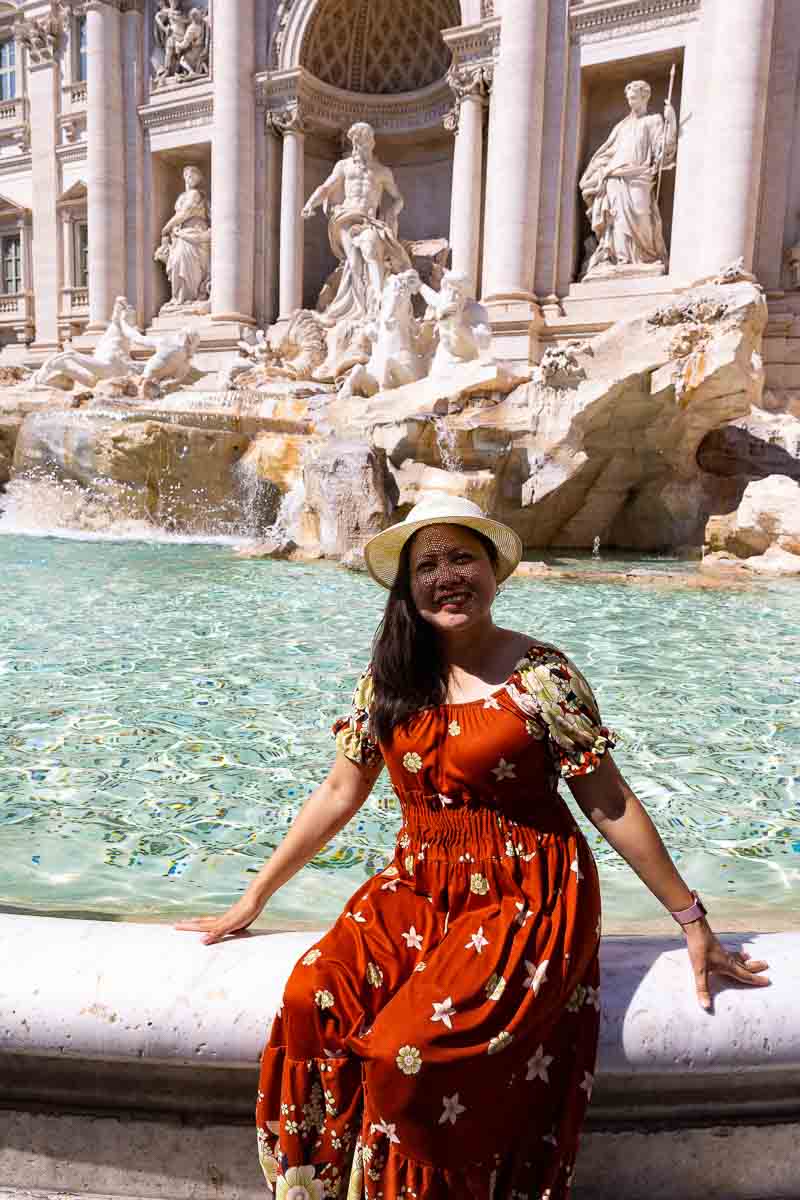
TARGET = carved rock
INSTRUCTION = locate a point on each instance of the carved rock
(760, 444)
(173, 476)
(768, 515)
(12, 376)
(347, 496)
(9, 431)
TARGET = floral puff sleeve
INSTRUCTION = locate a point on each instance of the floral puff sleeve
(352, 733)
(566, 708)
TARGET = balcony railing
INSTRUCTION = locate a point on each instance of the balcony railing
(75, 95)
(74, 301)
(13, 112)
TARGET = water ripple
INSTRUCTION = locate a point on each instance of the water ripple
(165, 710)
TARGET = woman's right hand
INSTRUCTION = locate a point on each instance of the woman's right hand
(235, 921)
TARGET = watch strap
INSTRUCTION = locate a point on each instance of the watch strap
(694, 912)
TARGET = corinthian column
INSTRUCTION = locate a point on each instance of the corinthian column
(288, 122)
(105, 160)
(233, 163)
(470, 85)
(515, 152)
(740, 38)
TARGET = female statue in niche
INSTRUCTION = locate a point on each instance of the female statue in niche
(185, 248)
(619, 188)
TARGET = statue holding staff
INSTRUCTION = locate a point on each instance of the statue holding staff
(620, 187)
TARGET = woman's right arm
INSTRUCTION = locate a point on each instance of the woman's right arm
(325, 812)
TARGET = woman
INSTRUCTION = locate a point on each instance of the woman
(440, 1040)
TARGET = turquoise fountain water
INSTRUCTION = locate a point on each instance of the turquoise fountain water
(165, 708)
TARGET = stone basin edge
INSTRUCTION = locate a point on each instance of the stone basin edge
(89, 1004)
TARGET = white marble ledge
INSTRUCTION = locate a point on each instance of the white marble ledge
(116, 992)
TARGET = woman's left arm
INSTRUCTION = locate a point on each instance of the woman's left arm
(610, 804)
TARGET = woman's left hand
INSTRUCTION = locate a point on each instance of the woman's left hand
(707, 956)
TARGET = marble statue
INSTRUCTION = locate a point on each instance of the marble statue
(295, 352)
(171, 357)
(253, 351)
(619, 188)
(111, 358)
(170, 362)
(363, 203)
(462, 325)
(185, 248)
(185, 41)
(396, 357)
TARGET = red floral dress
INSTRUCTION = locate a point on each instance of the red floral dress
(439, 1041)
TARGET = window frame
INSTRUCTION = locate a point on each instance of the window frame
(80, 254)
(80, 63)
(10, 69)
(5, 240)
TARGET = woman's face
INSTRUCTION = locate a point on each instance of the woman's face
(453, 583)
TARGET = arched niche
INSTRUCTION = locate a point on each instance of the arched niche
(296, 21)
(380, 61)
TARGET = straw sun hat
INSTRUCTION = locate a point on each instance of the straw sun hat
(382, 552)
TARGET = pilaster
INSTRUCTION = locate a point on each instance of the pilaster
(105, 160)
(233, 164)
(41, 38)
(740, 41)
(514, 165)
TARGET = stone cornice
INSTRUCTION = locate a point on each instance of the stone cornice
(71, 152)
(474, 44)
(319, 106)
(186, 112)
(595, 20)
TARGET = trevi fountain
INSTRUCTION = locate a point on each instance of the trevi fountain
(283, 268)
(270, 272)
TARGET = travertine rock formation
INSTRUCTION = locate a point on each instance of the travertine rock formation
(614, 453)
(348, 496)
(175, 476)
(768, 516)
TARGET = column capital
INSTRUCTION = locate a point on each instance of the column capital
(471, 79)
(467, 80)
(288, 119)
(42, 36)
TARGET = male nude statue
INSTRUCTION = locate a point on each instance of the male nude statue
(363, 203)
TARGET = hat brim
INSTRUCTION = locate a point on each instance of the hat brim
(382, 552)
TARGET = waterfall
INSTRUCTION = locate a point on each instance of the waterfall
(286, 527)
(446, 444)
(258, 498)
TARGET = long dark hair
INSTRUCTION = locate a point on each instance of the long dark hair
(408, 669)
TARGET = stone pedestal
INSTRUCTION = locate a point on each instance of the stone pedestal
(43, 84)
(105, 161)
(233, 164)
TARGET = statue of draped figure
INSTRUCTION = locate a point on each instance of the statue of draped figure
(619, 189)
(185, 248)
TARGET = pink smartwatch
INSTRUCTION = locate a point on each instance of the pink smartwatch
(685, 916)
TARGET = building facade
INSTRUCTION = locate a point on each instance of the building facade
(487, 111)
